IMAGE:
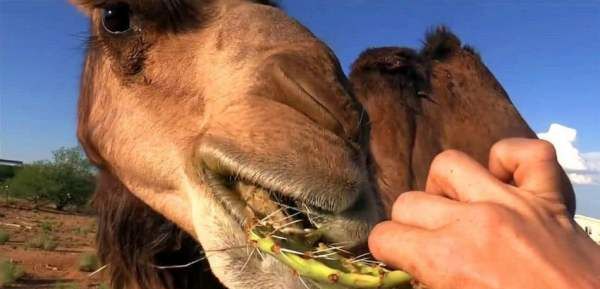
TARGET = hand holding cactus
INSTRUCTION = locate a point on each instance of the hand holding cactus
(502, 227)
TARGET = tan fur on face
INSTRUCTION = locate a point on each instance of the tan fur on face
(242, 90)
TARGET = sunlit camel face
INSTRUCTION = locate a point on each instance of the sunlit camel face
(197, 107)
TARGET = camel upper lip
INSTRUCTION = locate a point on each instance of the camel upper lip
(341, 203)
(330, 194)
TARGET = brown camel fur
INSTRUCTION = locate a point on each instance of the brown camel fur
(422, 103)
(185, 105)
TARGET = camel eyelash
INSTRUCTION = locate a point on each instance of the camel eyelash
(93, 42)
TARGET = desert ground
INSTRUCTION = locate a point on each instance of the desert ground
(49, 247)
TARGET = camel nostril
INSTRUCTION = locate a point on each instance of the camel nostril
(316, 93)
(303, 99)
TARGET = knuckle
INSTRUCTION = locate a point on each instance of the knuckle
(494, 222)
(404, 200)
(535, 148)
(379, 231)
(376, 239)
(543, 149)
(445, 158)
(490, 216)
(500, 147)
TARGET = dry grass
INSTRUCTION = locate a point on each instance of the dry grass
(88, 262)
(43, 241)
(4, 237)
(9, 272)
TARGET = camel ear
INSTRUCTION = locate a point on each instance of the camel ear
(84, 6)
(440, 44)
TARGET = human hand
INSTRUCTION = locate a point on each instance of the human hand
(502, 227)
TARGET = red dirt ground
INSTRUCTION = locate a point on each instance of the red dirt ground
(74, 235)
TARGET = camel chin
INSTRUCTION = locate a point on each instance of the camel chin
(231, 257)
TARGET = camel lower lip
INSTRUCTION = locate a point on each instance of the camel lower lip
(289, 234)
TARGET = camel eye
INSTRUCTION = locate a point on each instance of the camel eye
(115, 18)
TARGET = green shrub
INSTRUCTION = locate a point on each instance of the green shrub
(42, 241)
(33, 182)
(103, 286)
(75, 177)
(7, 172)
(84, 230)
(4, 192)
(4, 237)
(80, 231)
(66, 180)
(65, 286)
(9, 272)
(47, 226)
(88, 262)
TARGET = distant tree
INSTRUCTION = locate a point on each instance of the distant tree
(66, 180)
(6, 172)
(33, 182)
(74, 175)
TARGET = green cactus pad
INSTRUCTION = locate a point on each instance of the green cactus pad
(322, 264)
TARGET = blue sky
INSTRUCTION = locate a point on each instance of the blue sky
(546, 55)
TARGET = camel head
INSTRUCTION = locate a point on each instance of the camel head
(215, 113)
(207, 116)
(441, 97)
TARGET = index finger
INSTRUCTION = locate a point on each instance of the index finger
(400, 246)
(457, 176)
(533, 166)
